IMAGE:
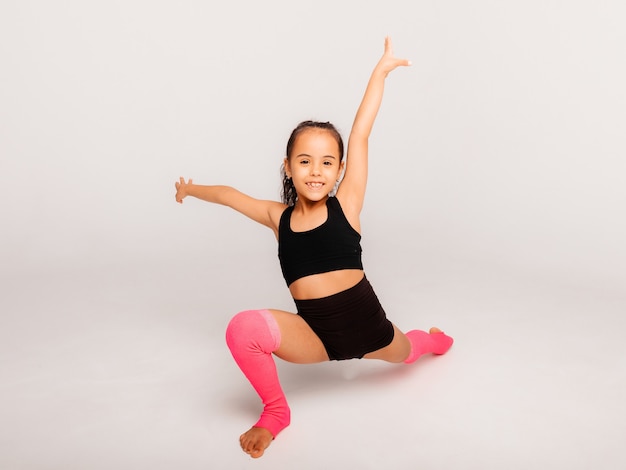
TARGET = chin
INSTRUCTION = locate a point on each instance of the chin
(313, 197)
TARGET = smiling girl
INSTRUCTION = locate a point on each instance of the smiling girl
(338, 314)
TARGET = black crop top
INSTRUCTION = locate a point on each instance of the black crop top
(332, 246)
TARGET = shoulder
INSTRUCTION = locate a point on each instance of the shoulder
(350, 213)
(266, 212)
(277, 210)
(283, 212)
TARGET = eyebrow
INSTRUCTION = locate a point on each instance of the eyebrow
(309, 156)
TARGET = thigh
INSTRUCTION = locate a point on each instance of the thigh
(298, 342)
(397, 351)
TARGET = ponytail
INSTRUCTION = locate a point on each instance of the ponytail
(288, 194)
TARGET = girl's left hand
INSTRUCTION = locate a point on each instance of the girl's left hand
(388, 61)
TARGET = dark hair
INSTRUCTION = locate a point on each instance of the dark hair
(288, 193)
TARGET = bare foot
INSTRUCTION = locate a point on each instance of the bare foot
(255, 441)
(434, 329)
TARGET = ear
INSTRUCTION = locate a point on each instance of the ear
(342, 167)
(287, 167)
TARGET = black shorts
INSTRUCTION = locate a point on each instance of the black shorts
(350, 324)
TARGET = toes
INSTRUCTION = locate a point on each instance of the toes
(245, 444)
(252, 443)
(255, 453)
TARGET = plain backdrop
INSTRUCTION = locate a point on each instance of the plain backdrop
(495, 210)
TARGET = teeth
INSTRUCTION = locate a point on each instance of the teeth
(315, 185)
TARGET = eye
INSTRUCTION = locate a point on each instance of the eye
(328, 163)
(304, 162)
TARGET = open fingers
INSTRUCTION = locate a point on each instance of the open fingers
(180, 189)
(394, 61)
(181, 182)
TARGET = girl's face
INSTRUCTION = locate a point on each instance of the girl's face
(314, 164)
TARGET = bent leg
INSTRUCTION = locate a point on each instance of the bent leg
(252, 337)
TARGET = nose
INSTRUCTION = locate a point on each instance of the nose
(316, 169)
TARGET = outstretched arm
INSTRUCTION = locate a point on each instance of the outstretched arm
(351, 191)
(264, 212)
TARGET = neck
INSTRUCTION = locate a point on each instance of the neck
(304, 205)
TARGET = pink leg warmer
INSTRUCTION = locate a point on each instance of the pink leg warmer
(252, 337)
(423, 343)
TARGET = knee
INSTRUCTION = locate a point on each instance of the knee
(253, 328)
(238, 328)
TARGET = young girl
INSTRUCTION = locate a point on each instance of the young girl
(339, 316)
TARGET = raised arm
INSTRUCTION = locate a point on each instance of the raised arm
(264, 212)
(351, 191)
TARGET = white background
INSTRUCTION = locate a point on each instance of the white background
(495, 210)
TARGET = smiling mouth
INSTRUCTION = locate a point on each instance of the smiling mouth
(315, 185)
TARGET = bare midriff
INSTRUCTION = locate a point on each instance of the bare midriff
(321, 285)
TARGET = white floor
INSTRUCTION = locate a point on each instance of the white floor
(126, 368)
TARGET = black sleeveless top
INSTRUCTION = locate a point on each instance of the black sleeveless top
(332, 246)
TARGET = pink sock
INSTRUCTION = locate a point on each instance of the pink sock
(252, 337)
(423, 343)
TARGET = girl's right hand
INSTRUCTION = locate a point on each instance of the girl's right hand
(181, 189)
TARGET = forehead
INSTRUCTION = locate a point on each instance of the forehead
(314, 141)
